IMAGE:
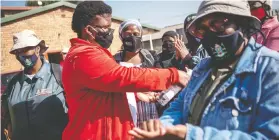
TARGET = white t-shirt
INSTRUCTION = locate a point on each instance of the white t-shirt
(30, 76)
(131, 95)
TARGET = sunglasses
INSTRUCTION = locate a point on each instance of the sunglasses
(216, 25)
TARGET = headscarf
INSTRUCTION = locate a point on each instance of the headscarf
(126, 23)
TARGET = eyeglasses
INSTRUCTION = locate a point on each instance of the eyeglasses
(103, 31)
(216, 25)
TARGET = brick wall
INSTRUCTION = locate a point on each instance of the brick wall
(53, 26)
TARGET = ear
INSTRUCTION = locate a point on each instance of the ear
(37, 50)
(89, 30)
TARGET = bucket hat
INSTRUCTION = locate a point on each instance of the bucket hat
(27, 38)
(231, 7)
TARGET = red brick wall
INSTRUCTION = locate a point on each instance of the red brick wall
(53, 26)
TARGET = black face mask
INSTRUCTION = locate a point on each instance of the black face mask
(132, 43)
(222, 49)
(168, 48)
(104, 38)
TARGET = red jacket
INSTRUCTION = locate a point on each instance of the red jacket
(93, 83)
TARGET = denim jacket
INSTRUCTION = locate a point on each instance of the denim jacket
(249, 109)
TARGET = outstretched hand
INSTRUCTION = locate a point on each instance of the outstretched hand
(153, 129)
(147, 96)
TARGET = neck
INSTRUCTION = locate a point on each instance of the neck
(88, 38)
(166, 56)
(132, 57)
(36, 68)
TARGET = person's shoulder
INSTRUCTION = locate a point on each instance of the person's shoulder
(16, 78)
(203, 64)
(266, 52)
(118, 56)
(152, 51)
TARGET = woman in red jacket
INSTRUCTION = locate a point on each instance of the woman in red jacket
(92, 78)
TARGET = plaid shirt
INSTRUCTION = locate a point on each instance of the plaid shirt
(146, 111)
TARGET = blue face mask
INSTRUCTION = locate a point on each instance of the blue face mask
(27, 61)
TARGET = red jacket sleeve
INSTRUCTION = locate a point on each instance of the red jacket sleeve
(99, 71)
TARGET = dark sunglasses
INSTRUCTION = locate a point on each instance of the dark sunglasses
(216, 25)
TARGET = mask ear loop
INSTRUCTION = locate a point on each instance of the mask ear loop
(91, 30)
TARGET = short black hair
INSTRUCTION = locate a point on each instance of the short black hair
(85, 12)
(170, 34)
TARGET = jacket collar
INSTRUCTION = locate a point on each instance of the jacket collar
(44, 70)
(79, 46)
(249, 58)
(270, 23)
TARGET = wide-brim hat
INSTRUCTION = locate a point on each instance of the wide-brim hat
(231, 7)
(27, 38)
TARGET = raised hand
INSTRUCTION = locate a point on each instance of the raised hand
(181, 50)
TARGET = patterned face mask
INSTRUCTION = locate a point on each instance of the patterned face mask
(27, 61)
(222, 48)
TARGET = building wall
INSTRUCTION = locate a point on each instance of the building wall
(157, 45)
(53, 26)
(157, 38)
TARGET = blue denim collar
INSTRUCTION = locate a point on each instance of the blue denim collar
(249, 58)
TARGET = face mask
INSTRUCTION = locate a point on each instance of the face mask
(222, 49)
(168, 47)
(132, 43)
(104, 38)
(28, 61)
(259, 13)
